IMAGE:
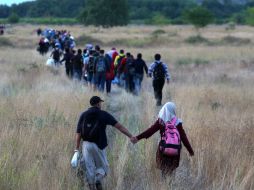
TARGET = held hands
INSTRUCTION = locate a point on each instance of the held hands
(134, 140)
(192, 154)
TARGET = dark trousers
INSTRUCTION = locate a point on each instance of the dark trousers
(69, 71)
(108, 85)
(77, 73)
(158, 86)
(100, 81)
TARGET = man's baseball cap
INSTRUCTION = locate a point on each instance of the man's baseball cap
(95, 100)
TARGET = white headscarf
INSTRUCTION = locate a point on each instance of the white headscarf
(168, 112)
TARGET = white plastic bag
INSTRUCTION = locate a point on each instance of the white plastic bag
(75, 159)
(50, 62)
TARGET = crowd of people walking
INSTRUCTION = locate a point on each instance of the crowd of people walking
(54, 39)
(99, 69)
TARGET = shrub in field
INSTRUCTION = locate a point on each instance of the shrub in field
(13, 18)
(5, 42)
(158, 32)
(235, 40)
(196, 39)
(158, 19)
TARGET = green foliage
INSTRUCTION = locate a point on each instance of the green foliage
(239, 18)
(250, 16)
(141, 11)
(222, 10)
(199, 17)
(158, 19)
(145, 9)
(13, 18)
(49, 20)
(105, 13)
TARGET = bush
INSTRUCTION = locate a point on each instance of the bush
(196, 40)
(250, 16)
(158, 32)
(230, 26)
(158, 19)
(235, 40)
(13, 18)
(199, 17)
(5, 42)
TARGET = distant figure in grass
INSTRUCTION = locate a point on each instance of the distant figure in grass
(140, 67)
(159, 72)
(77, 65)
(172, 134)
(56, 54)
(68, 56)
(92, 130)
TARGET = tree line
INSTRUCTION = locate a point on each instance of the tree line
(122, 12)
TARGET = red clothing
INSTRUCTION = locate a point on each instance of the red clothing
(110, 74)
(122, 66)
(165, 163)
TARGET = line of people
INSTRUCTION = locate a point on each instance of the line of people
(54, 39)
(99, 69)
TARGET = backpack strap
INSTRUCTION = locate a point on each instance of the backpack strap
(174, 120)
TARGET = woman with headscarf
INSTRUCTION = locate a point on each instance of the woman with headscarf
(167, 164)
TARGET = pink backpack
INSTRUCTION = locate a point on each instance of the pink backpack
(170, 143)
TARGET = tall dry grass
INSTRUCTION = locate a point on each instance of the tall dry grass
(39, 109)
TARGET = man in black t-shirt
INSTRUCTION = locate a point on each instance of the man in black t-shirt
(91, 129)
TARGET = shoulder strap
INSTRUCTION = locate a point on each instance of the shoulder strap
(173, 121)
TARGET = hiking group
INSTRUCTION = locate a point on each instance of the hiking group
(91, 130)
(56, 40)
(99, 70)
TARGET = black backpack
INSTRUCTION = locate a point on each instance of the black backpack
(91, 65)
(159, 71)
(90, 128)
(101, 64)
(130, 66)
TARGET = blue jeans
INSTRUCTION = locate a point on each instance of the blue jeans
(100, 81)
(138, 78)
